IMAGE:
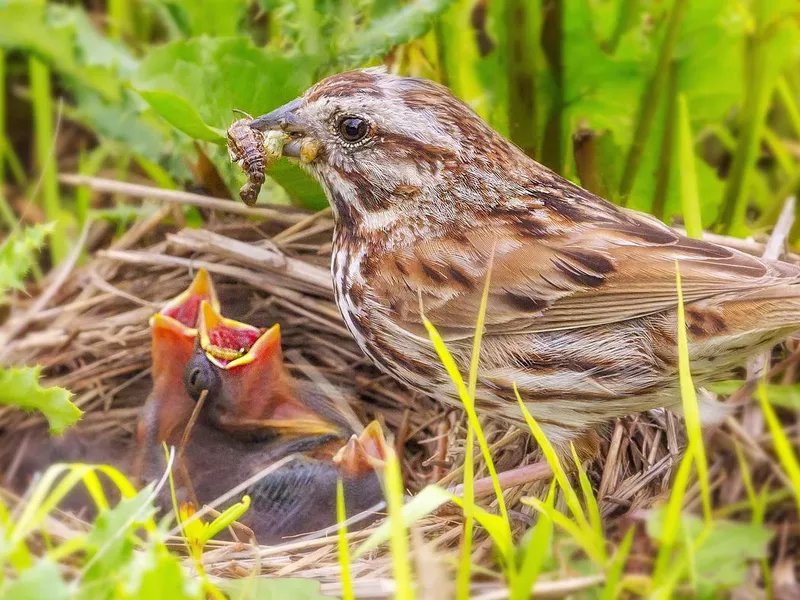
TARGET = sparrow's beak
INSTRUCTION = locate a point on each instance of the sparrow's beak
(364, 453)
(287, 119)
(281, 119)
(257, 392)
(186, 306)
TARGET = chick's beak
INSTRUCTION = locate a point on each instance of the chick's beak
(365, 453)
(258, 392)
(185, 307)
(168, 406)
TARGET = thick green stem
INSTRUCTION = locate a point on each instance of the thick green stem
(41, 95)
(757, 93)
(667, 144)
(625, 14)
(690, 195)
(521, 22)
(6, 214)
(649, 103)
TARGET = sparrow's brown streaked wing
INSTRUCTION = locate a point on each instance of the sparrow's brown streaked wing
(604, 272)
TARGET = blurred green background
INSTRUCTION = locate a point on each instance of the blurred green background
(689, 110)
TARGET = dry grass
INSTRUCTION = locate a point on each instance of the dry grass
(88, 326)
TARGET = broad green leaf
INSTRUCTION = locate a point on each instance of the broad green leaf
(262, 588)
(786, 396)
(195, 85)
(20, 387)
(182, 115)
(209, 77)
(720, 556)
(110, 536)
(43, 580)
(157, 575)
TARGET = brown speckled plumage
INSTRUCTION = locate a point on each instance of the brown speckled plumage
(582, 303)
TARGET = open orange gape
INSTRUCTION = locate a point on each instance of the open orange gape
(224, 397)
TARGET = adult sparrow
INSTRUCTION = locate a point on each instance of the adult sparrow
(582, 300)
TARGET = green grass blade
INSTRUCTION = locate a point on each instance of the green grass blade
(41, 94)
(583, 538)
(6, 214)
(691, 412)
(588, 495)
(649, 101)
(421, 505)
(465, 563)
(468, 399)
(551, 456)
(690, 198)
(401, 562)
(344, 552)
(535, 552)
(672, 520)
(617, 567)
(790, 104)
(783, 446)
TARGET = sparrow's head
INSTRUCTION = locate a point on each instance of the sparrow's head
(249, 390)
(386, 142)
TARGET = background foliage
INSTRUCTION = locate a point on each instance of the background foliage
(689, 110)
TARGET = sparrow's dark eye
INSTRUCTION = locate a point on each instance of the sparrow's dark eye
(200, 375)
(353, 129)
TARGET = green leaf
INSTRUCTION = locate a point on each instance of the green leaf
(786, 396)
(272, 589)
(719, 556)
(195, 85)
(111, 537)
(43, 580)
(20, 387)
(158, 575)
(206, 78)
(210, 17)
(182, 115)
(405, 23)
(18, 255)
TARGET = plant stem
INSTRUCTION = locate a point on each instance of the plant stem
(6, 213)
(45, 153)
(585, 144)
(521, 28)
(757, 93)
(790, 104)
(461, 56)
(627, 8)
(690, 196)
(119, 18)
(667, 144)
(649, 103)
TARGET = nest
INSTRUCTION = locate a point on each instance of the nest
(88, 327)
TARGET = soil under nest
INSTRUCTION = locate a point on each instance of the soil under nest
(88, 327)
